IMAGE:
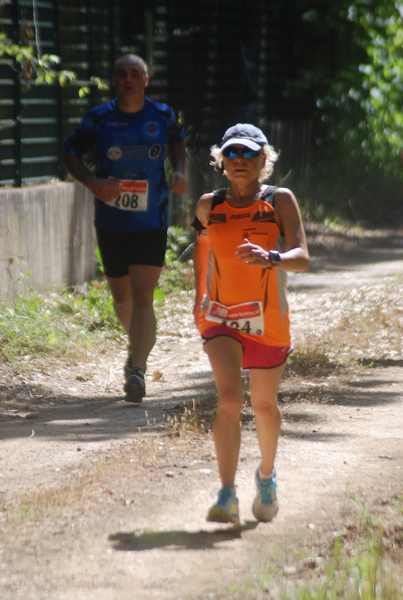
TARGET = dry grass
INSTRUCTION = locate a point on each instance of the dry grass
(356, 325)
(37, 505)
(94, 481)
(192, 418)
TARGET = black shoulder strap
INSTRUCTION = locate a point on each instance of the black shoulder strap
(218, 197)
(268, 194)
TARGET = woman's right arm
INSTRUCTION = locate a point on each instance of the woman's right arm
(203, 208)
(202, 248)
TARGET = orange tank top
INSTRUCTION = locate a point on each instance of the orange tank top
(250, 298)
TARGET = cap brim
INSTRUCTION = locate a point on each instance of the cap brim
(241, 142)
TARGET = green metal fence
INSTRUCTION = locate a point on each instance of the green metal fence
(217, 61)
(34, 119)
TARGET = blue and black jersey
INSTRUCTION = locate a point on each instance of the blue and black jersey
(129, 146)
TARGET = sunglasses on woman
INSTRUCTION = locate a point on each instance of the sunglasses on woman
(231, 152)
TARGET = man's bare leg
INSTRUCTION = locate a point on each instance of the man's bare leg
(122, 299)
(142, 334)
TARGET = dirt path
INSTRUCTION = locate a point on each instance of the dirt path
(100, 500)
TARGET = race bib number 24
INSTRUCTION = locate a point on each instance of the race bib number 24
(134, 195)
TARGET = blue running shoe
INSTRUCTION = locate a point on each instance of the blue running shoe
(226, 509)
(265, 505)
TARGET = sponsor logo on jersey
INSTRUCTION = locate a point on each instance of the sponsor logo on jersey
(114, 153)
(240, 216)
(261, 216)
(151, 129)
(218, 218)
(155, 151)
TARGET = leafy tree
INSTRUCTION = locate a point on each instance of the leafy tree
(362, 109)
(43, 69)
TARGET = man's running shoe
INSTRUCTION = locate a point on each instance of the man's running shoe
(135, 386)
(127, 369)
(265, 505)
(226, 509)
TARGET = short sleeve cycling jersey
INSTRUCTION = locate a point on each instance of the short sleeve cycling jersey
(249, 298)
(131, 147)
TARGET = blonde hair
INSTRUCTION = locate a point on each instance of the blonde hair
(267, 169)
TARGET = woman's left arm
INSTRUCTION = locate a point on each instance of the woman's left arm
(294, 255)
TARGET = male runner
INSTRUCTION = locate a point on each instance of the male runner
(129, 139)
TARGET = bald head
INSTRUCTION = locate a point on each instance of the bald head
(130, 61)
(130, 79)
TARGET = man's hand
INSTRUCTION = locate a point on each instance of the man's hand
(178, 183)
(106, 190)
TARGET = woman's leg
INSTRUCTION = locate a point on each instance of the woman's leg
(225, 355)
(264, 387)
(264, 384)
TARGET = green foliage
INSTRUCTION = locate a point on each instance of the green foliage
(44, 69)
(175, 276)
(363, 106)
(358, 124)
(360, 573)
(382, 100)
(72, 322)
(65, 324)
(92, 307)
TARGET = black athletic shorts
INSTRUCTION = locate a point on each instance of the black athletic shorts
(119, 250)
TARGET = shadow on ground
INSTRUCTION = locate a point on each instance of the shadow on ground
(44, 415)
(355, 393)
(177, 539)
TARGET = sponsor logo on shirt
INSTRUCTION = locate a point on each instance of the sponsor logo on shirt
(218, 218)
(151, 129)
(268, 217)
(240, 216)
(155, 151)
(114, 153)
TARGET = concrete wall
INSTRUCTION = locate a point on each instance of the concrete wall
(47, 239)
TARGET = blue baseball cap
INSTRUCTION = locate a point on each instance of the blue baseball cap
(244, 134)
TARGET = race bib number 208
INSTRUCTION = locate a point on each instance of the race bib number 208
(134, 195)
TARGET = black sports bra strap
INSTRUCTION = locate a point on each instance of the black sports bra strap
(218, 197)
(268, 194)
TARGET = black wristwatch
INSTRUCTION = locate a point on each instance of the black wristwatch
(274, 257)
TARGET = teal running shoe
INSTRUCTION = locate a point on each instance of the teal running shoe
(265, 505)
(226, 509)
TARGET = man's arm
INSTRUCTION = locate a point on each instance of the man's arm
(177, 158)
(78, 145)
(104, 189)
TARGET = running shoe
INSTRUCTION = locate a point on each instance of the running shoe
(265, 505)
(135, 386)
(226, 509)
